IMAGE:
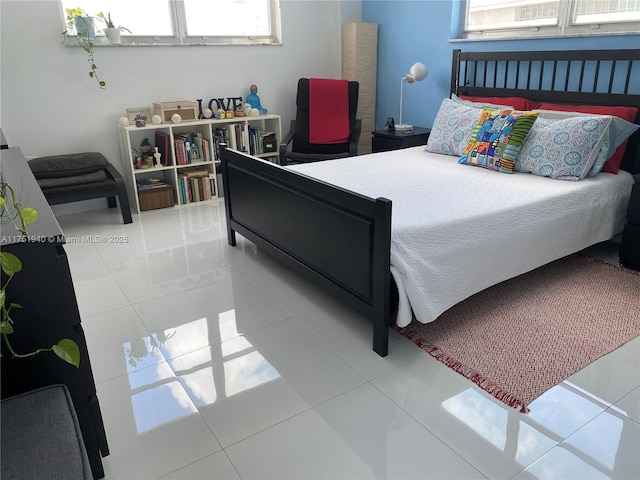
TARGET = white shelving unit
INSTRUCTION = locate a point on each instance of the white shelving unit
(241, 133)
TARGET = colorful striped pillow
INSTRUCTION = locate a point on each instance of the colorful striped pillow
(497, 137)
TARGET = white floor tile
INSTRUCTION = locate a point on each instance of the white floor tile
(189, 320)
(251, 382)
(82, 255)
(606, 447)
(173, 270)
(629, 405)
(350, 336)
(360, 434)
(97, 291)
(119, 344)
(285, 288)
(213, 467)
(141, 241)
(494, 438)
(203, 222)
(152, 426)
(612, 376)
(244, 257)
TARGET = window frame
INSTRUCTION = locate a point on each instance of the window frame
(564, 27)
(181, 38)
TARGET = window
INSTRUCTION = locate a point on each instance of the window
(222, 22)
(486, 19)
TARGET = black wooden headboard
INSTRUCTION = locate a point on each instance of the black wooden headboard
(578, 77)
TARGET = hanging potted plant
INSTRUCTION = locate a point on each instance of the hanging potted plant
(81, 26)
(111, 31)
(81, 23)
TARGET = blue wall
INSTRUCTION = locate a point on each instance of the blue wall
(412, 31)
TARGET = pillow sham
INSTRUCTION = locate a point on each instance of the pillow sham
(617, 134)
(629, 114)
(471, 103)
(497, 137)
(562, 149)
(518, 103)
(452, 128)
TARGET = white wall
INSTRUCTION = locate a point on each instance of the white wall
(49, 105)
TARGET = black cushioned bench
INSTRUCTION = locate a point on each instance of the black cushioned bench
(41, 438)
(80, 176)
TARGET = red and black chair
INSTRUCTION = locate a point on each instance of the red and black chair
(325, 127)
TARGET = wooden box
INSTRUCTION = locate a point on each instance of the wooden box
(152, 198)
(187, 110)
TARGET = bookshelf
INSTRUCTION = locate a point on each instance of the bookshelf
(187, 171)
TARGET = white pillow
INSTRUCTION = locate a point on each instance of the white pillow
(452, 128)
(564, 149)
(616, 134)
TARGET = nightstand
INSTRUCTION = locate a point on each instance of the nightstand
(630, 246)
(384, 140)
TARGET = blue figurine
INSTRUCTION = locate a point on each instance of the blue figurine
(254, 100)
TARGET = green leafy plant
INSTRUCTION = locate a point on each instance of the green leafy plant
(109, 23)
(20, 217)
(85, 37)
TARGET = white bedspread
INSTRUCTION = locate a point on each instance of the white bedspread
(458, 229)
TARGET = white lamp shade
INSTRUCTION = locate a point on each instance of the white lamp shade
(418, 71)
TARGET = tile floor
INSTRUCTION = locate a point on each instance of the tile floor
(216, 362)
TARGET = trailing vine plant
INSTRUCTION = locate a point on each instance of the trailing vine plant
(20, 217)
(84, 38)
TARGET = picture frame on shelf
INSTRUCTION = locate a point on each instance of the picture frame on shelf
(137, 113)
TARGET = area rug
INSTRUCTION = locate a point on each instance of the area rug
(519, 338)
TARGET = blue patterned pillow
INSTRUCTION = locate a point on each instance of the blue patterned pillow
(452, 128)
(617, 133)
(562, 149)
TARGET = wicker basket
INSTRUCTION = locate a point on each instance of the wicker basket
(155, 197)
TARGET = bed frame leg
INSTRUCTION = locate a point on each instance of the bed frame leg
(381, 337)
(381, 276)
(231, 237)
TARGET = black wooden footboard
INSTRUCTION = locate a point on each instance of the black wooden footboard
(339, 239)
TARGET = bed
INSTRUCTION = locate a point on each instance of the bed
(455, 229)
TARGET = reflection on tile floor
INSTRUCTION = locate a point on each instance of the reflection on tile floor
(216, 362)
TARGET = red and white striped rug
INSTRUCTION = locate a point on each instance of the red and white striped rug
(519, 338)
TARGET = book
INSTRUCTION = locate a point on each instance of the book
(162, 141)
(194, 185)
(220, 136)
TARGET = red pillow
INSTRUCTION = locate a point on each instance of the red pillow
(612, 165)
(518, 103)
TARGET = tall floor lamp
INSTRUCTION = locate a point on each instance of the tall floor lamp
(417, 73)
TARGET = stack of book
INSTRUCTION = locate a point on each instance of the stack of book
(148, 183)
(195, 186)
(191, 148)
(244, 138)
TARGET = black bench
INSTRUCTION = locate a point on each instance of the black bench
(80, 176)
(41, 437)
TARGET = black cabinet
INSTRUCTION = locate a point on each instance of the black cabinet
(44, 288)
(630, 246)
(384, 140)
